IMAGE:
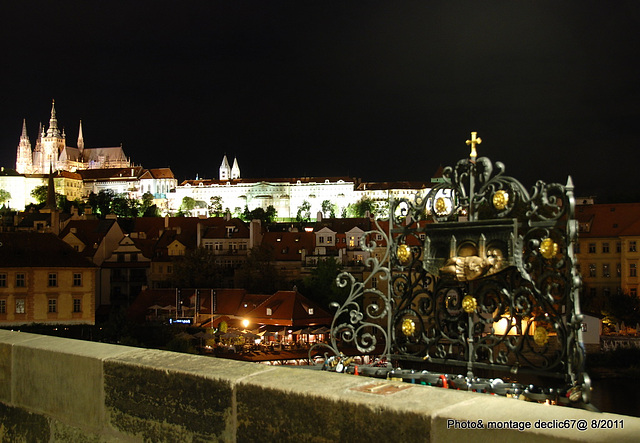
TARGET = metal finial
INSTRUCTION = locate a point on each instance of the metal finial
(473, 142)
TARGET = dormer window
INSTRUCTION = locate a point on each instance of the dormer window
(269, 311)
(310, 311)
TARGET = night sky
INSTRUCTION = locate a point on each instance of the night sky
(384, 90)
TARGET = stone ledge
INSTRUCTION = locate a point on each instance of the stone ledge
(108, 392)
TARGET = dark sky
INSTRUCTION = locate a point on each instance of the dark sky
(383, 90)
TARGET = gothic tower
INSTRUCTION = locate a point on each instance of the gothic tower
(225, 170)
(24, 156)
(53, 142)
(80, 140)
(235, 170)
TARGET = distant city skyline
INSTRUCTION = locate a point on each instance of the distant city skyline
(376, 91)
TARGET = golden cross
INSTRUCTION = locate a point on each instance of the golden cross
(473, 142)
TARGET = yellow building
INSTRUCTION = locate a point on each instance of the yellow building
(44, 280)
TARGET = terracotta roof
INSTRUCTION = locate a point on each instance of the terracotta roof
(32, 249)
(161, 173)
(290, 308)
(608, 220)
(285, 245)
(293, 181)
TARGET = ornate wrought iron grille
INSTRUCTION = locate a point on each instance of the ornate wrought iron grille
(480, 275)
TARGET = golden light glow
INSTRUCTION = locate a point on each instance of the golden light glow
(408, 327)
(469, 304)
(404, 254)
(548, 248)
(442, 206)
(245, 323)
(541, 336)
(500, 199)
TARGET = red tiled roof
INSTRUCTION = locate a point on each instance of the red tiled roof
(609, 220)
(290, 308)
(32, 249)
(285, 245)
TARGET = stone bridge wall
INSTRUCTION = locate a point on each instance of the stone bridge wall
(54, 389)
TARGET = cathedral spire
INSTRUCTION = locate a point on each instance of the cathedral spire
(53, 122)
(24, 129)
(235, 169)
(80, 138)
(225, 170)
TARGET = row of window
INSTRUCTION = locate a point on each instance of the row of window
(607, 291)
(633, 247)
(52, 305)
(606, 270)
(20, 280)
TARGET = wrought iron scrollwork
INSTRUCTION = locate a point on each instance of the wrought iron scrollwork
(480, 274)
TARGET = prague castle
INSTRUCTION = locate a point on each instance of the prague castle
(51, 152)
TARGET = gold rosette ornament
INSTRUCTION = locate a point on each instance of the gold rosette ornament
(442, 206)
(548, 248)
(404, 254)
(541, 336)
(469, 304)
(500, 199)
(408, 327)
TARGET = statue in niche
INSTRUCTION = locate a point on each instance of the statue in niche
(471, 267)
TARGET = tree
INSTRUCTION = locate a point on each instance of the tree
(101, 203)
(258, 274)
(4, 196)
(188, 204)
(321, 285)
(125, 207)
(361, 207)
(148, 208)
(267, 216)
(304, 212)
(215, 206)
(197, 269)
(328, 209)
(39, 193)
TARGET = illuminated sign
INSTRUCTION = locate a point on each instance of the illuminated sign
(183, 321)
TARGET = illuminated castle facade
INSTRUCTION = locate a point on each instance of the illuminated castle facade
(51, 152)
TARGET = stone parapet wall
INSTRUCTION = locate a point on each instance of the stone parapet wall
(54, 389)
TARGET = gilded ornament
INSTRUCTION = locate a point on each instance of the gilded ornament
(442, 206)
(469, 304)
(408, 327)
(548, 248)
(500, 199)
(404, 254)
(541, 336)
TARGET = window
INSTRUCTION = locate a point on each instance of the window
(592, 248)
(633, 292)
(53, 279)
(3, 280)
(321, 239)
(618, 270)
(53, 305)
(20, 305)
(606, 292)
(619, 247)
(633, 271)
(77, 305)
(169, 269)
(268, 311)
(606, 272)
(310, 311)
(329, 239)
(632, 246)
(21, 280)
(592, 270)
(374, 282)
(605, 248)
(3, 306)
(77, 279)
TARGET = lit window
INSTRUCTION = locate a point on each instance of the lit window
(53, 305)
(3, 280)
(20, 280)
(20, 305)
(329, 239)
(310, 311)
(268, 311)
(77, 279)
(77, 305)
